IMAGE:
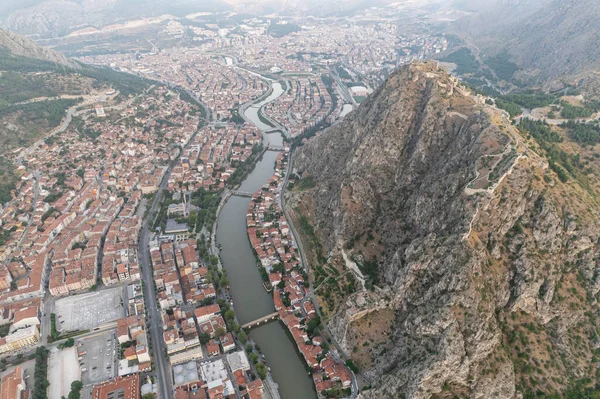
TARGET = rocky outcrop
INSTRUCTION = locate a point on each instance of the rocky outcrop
(21, 46)
(486, 259)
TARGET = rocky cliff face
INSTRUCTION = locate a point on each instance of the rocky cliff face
(473, 267)
(21, 46)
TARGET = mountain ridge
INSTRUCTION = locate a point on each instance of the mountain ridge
(548, 39)
(21, 46)
(461, 232)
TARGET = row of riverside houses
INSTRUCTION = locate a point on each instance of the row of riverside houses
(272, 242)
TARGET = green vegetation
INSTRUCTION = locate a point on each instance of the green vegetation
(242, 169)
(8, 179)
(280, 30)
(530, 99)
(11, 62)
(56, 335)
(583, 133)
(69, 343)
(580, 389)
(337, 393)
(510, 107)
(307, 231)
(48, 113)
(263, 119)
(502, 166)
(261, 369)
(76, 387)
(342, 72)
(40, 374)
(369, 269)
(304, 184)
(18, 87)
(6, 234)
(125, 83)
(464, 60)
(352, 366)
(569, 111)
(102, 77)
(208, 203)
(540, 131)
(235, 116)
(312, 325)
(53, 197)
(4, 329)
(453, 40)
(185, 96)
(561, 162)
(502, 66)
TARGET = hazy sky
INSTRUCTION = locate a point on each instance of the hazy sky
(8, 6)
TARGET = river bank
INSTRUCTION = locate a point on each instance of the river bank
(246, 289)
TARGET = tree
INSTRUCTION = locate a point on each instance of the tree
(253, 357)
(204, 338)
(40, 373)
(224, 281)
(312, 325)
(75, 390)
(229, 315)
(242, 337)
(219, 332)
(261, 369)
(278, 267)
(67, 344)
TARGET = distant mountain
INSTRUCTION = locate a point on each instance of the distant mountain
(316, 8)
(21, 46)
(54, 18)
(546, 38)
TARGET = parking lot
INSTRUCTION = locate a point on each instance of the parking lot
(87, 311)
(98, 363)
(62, 371)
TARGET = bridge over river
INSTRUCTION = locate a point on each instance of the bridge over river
(262, 320)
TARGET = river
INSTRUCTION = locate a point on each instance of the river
(251, 301)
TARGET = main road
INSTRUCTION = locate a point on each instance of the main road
(154, 322)
(165, 386)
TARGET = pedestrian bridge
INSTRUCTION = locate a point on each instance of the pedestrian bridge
(242, 193)
(262, 320)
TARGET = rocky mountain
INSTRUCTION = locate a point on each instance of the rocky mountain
(303, 7)
(56, 18)
(546, 38)
(21, 46)
(452, 255)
